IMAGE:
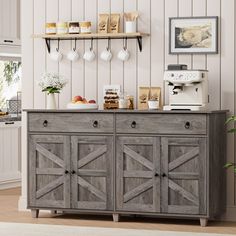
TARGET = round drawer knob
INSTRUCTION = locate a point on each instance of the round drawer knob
(66, 172)
(156, 174)
(45, 123)
(133, 124)
(187, 125)
(163, 175)
(95, 124)
(73, 172)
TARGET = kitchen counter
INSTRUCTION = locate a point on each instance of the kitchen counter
(124, 111)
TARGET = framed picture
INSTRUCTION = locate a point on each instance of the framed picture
(193, 35)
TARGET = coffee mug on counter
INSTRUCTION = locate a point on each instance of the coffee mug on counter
(73, 55)
(89, 55)
(106, 55)
(56, 56)
(153, 104)
(123, 55)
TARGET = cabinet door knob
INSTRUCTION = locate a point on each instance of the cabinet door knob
(66, 172)
(156, 174)
(187, 125)
(95, 124)
(133, 124)
(73, 172)
(45, 123)
(163, 175)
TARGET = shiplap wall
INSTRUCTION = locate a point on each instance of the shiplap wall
(143, 69)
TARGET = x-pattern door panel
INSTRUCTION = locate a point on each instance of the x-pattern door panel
(92, 158)
(184, 183)
(138, 174)
(49, 165)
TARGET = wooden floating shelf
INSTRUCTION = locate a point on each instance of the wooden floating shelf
(48, 38)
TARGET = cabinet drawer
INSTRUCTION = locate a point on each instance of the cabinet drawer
(161, 123)
(71, 122)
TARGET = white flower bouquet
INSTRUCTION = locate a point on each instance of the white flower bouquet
(52, 83)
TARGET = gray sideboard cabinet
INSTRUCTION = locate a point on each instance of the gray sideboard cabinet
(163, 164)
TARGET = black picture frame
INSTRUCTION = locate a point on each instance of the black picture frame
(177, 45)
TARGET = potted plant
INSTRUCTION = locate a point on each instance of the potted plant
(233, 130)
(52, 83)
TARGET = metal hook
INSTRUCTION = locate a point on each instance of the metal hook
(109, 44)
(74, 49)
(58, 45)
(91, 46)
(126, 43)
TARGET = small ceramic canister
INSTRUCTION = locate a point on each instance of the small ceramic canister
(51, 28)
(74, 27)
(62, 28)
(85, 27)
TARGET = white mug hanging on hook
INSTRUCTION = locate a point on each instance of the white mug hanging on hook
(90, 54)
(124, 54)
(106, 55)
(73, 55)
(56, 55)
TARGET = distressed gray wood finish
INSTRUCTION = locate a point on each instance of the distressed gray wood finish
(131, 181)
(71, 123)
(49, 182)
(161, 123)
(138, 174)
(92, 160)
(185, 157)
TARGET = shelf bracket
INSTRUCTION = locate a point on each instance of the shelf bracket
(48, 43)
(140, 43)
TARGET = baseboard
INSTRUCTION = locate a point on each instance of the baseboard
(22, 204)
(230, 214)
(10, 184)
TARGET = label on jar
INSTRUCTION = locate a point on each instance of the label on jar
(51, 30)
(85, 30)
(74, 30)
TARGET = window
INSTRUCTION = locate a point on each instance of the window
(10, 81)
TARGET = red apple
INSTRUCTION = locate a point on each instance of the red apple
(77, 98)
(92, 101)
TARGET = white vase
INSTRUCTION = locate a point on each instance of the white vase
(51, 101)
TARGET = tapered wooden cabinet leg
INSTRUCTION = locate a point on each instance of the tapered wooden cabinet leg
(35, 213)
(116, 217)
(53, 212)
(203, 222)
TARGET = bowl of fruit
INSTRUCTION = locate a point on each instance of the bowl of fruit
(80, 103)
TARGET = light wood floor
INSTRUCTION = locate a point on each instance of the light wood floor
(9, 213)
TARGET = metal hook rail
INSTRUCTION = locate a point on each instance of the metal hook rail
(138, 37)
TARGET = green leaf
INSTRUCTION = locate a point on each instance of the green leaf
(232, 118)
(232, 130)
(228, 165)
(235, 170)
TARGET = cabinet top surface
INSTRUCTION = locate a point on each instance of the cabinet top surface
(119, 111)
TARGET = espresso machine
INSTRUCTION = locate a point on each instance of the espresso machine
(187, 89)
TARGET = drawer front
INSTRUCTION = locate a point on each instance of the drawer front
(161, 123)
(70, 122)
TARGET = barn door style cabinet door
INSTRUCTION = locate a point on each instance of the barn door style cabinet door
(49, 168)
(92, 160)
(183, 175)
(10, 22)
(138, 174)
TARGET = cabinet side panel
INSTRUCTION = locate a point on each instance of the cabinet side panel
(217, 160)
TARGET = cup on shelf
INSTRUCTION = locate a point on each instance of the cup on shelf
(130, 27)
(89, 55)
(56, 56)
(123, 54)
(106, 55)
(73, 55)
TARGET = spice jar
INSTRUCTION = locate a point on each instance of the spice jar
(85, 27)
(73, 27)
(51, 28)
(62, 28)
